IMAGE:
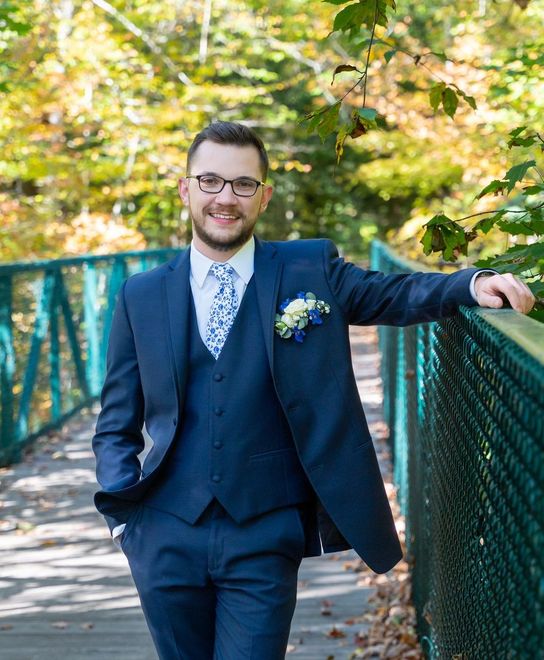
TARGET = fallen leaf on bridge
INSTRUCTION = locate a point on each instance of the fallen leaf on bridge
(326, 607)
(60, 625)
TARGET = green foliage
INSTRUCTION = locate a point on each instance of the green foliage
(342, 68)
(104, 98)
(522, 219)
(13, 26)
(99, 101)
(11, 20)
(328, 122)
(399, 173)
(363, 12)
(446, 236)
(442, 234)
(517, 173)
(372, 15)
(449, 97)
(449, 101)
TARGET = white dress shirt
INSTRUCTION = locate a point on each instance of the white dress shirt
(204, 284)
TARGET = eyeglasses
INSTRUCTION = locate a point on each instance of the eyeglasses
(242, 187)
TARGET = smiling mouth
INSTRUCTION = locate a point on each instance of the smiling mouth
(223, 218)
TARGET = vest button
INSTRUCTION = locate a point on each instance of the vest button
(217, 444)
(218, 411)
(218, 377)
(216, 478)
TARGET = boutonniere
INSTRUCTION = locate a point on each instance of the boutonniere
(301, 312)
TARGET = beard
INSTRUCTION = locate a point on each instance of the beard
(223, 241)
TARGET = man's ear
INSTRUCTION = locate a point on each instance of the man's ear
(267, 194)
(183, 189)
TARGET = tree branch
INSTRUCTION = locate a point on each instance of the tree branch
(292, 51)
(206, 16)
(148, 41)
(365, 76)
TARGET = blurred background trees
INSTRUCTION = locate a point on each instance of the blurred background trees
(99, 101)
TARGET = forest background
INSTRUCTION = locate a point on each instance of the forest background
(432, 104)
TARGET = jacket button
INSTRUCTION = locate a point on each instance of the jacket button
(218, 411)
(218, 377)
(217, 444)
(216, 478)
(174, 421)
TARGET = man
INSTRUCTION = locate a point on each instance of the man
(261, 453)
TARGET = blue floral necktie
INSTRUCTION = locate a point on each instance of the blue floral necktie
(223, 309)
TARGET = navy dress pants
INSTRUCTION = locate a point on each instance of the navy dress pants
(216, 590)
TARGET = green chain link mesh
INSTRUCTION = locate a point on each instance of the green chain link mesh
(465, 408)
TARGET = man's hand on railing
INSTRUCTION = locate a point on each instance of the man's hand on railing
(495, 290)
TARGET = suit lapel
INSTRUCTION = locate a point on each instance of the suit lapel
(176, 304)
(268, 269)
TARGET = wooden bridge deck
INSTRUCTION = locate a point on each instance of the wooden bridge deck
(66, 591)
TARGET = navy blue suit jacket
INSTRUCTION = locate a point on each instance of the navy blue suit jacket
(147, 372)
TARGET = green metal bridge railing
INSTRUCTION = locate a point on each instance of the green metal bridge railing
(464, 400)
(55, 318)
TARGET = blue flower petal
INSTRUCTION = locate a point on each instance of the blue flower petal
(315, 317)
(301, 294)
(299, 336)
(284, 304)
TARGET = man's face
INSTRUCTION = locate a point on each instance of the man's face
(223, 222)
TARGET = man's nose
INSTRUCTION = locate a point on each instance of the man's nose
(226, 196)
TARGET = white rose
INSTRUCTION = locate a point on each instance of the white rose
(288, 320)
(311, 303)
(296, 306)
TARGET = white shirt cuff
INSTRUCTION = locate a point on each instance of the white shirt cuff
(116, 533)
(473, 279)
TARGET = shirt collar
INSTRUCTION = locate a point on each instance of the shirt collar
(242, 262)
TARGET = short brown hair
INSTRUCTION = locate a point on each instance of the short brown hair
(228, 132)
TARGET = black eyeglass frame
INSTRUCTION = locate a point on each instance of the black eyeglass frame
(225, 181)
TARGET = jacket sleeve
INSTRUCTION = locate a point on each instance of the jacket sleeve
(370, 297)
(119, 439)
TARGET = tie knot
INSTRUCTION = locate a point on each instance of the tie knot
(222, 272)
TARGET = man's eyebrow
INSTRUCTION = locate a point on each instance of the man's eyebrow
(242, 176)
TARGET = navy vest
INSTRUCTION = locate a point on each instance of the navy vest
(235, 443)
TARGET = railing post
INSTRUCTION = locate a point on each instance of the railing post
(118, 275)
(54, 351)
(41, 324)
(91, 328)
(7, 370)
(401, 422)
